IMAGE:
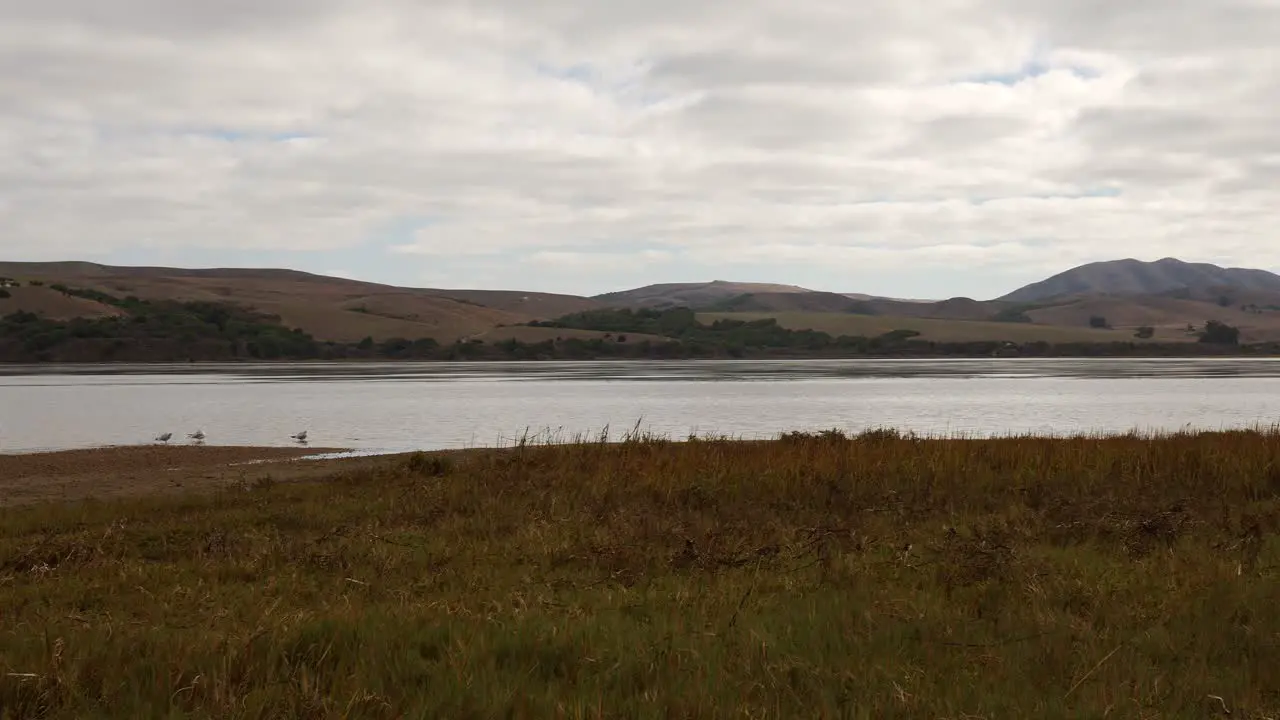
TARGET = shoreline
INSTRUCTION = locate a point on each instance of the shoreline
(119, 472)
(130, 471)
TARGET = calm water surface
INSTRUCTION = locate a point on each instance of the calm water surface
(404, 406)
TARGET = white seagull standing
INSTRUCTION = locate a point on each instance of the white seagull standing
(198, 436)
(300, 437)
(164, 438)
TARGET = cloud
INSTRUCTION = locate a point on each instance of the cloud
(575, 146)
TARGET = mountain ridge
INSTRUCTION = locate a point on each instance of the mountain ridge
(1130, 276)
(1167, 295)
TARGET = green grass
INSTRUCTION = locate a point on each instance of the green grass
(937, 330)
(871, 577)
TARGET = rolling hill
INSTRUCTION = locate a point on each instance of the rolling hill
(937, 330)
(1135, 277)
(49, 303)
(328, 308)
(1167, 296)
(695, 295)
(792, 302)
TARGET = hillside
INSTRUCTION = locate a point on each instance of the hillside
(932, 329)
(328, 308)
(954, 309)
(343, 312)
(1168, 316)
(792, 302)
(49, 303)
(1135, 277)
(694, 295)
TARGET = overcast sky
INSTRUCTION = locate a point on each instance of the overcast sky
(897, 147)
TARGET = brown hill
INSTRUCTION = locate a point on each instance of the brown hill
(328, 308)
(954, 309)
(695, 295)
(1168, 316)
(793, 302)
(1255, 313)
(535, 305)
(930, 328)
(1135, 277)
(52, 304)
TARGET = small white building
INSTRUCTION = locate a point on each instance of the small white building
(8, 282)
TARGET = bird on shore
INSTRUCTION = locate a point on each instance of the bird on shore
(198, 436)
(300, 437)
(164, 438)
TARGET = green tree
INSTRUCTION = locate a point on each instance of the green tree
(395, 347)
(1219, 333)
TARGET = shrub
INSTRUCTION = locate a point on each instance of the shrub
(1017, 314)
(1218, 333)
(421, 463)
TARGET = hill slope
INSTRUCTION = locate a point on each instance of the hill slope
(1135, 277)
(694, 295)
(328, 308)
(791, 302)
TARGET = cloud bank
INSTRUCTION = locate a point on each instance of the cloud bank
(954, 147)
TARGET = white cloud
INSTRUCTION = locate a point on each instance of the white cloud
(544, 142)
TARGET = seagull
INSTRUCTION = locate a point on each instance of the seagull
(164, 438)
(300, 437)
(198, 435)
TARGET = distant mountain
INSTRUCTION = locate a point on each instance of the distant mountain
(1135, 277)
(695, 295)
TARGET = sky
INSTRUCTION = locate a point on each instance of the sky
(893, 147)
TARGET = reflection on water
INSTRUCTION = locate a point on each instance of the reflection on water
(404, 406)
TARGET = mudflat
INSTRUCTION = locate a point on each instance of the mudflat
(127, 471)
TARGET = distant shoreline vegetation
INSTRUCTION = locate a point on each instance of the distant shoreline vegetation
(176, 331)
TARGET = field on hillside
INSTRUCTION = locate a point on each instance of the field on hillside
(50, 303)
(935, 329)
(1169, 316)
(814, 576)
(328, 308)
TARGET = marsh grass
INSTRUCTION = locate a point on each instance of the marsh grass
(812, 576)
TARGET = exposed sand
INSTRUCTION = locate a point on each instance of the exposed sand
(152, 469)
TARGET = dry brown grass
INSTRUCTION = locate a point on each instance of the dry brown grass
(933, 329)
(528, 305)
(691, 294)
(879, 576)
(1169, 316)
(327, 308)
(52, 304)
